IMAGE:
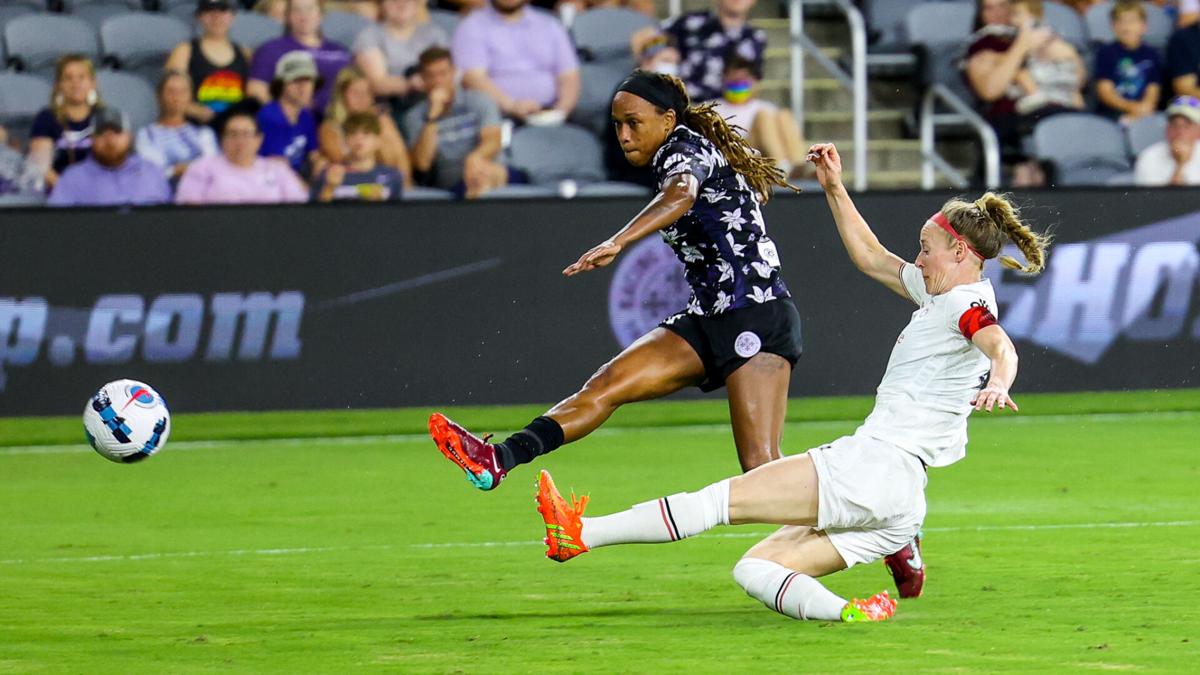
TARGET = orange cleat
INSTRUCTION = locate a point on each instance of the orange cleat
(475, 456)
(564, 527)
(878, 607)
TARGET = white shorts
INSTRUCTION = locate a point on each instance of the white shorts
(871, 500)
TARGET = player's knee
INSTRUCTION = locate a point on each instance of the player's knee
(754, 575)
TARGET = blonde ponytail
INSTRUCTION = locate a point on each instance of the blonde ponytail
(1007, 218)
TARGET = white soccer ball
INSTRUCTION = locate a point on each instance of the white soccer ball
(126, 421)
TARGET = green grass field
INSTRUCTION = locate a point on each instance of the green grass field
(342, 541)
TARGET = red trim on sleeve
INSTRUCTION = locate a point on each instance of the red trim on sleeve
(975, 319)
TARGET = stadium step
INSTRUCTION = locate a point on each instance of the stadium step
(819, 125)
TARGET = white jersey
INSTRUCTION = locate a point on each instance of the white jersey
(935, 370)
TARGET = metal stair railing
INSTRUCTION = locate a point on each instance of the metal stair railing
(961, 113)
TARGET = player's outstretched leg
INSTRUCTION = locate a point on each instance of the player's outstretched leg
(800, 596)
(908, 569)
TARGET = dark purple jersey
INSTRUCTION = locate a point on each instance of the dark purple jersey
(728, 260)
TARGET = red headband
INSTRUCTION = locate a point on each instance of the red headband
(945, 225)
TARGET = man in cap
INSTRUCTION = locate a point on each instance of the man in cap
(112, 174)
(288, 126)
(1176, 160)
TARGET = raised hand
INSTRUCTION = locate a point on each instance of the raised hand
(598, 256)
(828, 162)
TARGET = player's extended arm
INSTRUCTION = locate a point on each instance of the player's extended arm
(995, 343)
(667, 206)
(867, 254)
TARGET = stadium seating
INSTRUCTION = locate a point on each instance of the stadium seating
(1158, 24)
(73, 6)
(36, 41)
(251, 29)
(1084, 149)
(96, 14)
(599, 81)
(418, 193)
(938, 32)
(1068, 24)
(603, 34)
(1146, 131)
(21, 97)
(132, 94)
(539, 152)
(446, 19)
(140, 41)
(343, 27)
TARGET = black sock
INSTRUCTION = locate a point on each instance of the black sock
(539, 437)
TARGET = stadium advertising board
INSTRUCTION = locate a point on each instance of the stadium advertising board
(364, 306)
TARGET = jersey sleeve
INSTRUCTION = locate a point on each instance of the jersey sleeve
(913, 283)
(968, 313)
(680, 157)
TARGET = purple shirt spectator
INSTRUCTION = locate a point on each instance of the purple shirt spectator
(281, 138)
(214, 180)
(87, 183)
(331, 57)
(523, 58)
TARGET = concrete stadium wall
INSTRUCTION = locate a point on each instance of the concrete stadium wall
(331, 306)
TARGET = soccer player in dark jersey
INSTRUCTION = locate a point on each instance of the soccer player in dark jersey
(740, 329)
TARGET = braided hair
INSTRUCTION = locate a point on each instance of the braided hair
(667, 92)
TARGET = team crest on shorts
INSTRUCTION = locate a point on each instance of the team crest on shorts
(647, 287)
(747, 344)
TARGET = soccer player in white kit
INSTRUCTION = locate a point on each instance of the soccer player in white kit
(862, 496)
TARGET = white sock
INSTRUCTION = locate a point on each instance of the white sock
(791, 593)
(666, 519)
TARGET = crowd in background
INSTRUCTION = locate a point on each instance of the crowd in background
(305, 118)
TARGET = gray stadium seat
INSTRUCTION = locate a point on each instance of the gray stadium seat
(1158, 24)
(343, 27)
(599, 81)
(73, 6)
(539, 151)
(251, 29)
(1146, 131)
(603, 34)
(939, 23)
(446, 19)
(10, 12)
(21, 97)
(97, 14)
(185, 13)
(132, 94)
(15, 201)
(141, 41)
(418, 193)
(613, 189)
(1085, 149)
(37, 40)
(522, 192)
(1068, 24)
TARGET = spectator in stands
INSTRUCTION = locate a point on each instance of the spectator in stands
(387, 51)
(238, 175)
(302, 31)
(1128, 71)
(771, 130)
(1187, 12)
(454, 134)
(1183, 61)
(1081, 6)
(276, 9)
(172, 142)
(352, 94)
(993, 67)
(705, 39)
(112, 173)
(521, 57)
(368, 9)
(1176, 160)
(218, 68)
(18, 176)
(1054, 74)
(361, 177)
(62, 133)
(646, 7)
(287, 123)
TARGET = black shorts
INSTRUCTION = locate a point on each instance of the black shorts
(726, 341)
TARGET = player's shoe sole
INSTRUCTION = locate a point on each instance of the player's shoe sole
(878, 607)
(450, 442)
(564, 524)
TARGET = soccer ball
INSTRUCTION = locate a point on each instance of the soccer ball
(126, 421)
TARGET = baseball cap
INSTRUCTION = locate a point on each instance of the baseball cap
(108, 118)
(1187, 106)
(296, 65)
(213, 5)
